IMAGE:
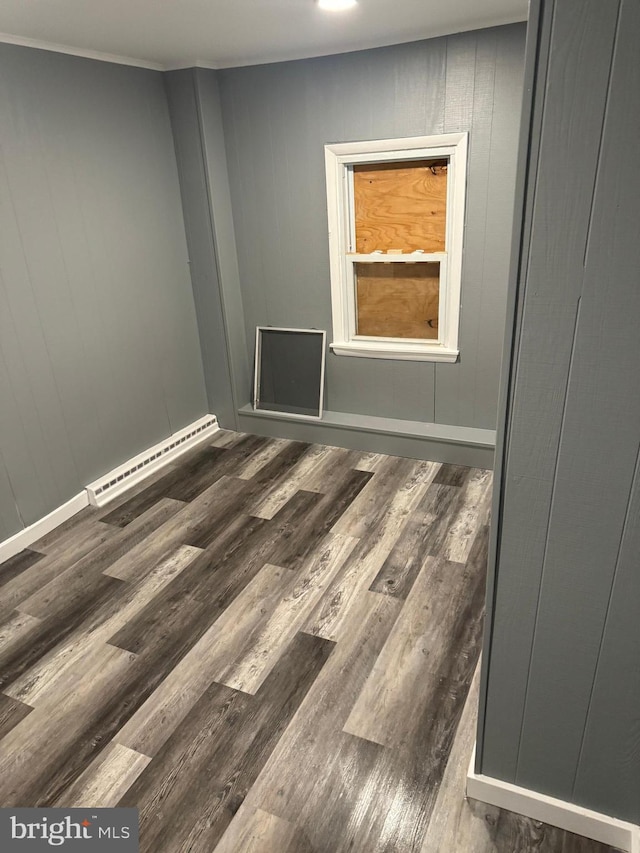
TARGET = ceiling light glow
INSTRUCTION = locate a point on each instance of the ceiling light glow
(336, 5)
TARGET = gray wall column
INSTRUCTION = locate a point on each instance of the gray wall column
(560, 713)
(186, 123)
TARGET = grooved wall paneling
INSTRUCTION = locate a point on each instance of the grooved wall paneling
(484, 94)
(203, 260)
(278, 117)
(570, 133)
(9, 517)
(99, 350)
(215, 158)
(563, 692)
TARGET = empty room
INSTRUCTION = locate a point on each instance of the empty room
(320, 426)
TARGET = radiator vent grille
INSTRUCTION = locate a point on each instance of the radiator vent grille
(140, 466)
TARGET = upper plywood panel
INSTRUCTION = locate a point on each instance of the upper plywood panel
(400, 205)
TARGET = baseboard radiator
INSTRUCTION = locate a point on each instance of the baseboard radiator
(112, 484)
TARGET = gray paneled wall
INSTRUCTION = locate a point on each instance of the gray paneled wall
(562, 712)
(217, 178)
(277, 119)
(9, 517)
(196, 119)
(201, 240)
(99, 350)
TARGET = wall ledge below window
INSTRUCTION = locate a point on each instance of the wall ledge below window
(457, 445)
(408, 352)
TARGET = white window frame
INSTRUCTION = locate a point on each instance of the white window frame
(339, 161)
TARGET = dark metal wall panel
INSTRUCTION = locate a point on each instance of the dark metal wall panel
(563, 695)
(99, 351)
(277, 119)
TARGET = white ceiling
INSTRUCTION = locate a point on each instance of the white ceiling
(223, 33)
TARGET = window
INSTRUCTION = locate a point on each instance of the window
(396, 222)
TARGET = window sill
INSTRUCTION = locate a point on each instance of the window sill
(403, 352)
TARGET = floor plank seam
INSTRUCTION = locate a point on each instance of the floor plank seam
(276, 644)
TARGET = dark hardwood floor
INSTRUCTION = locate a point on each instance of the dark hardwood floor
(268, 646)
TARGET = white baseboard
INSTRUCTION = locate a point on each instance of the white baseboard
(114, 483)
(16, 543)
(568, 816)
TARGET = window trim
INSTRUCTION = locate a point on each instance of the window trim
(339, 158)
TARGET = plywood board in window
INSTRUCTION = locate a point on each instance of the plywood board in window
(398, 300)
(400, 205)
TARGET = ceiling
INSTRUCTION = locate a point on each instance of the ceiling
(224, 33)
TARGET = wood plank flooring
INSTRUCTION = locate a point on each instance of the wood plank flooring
(269, 647)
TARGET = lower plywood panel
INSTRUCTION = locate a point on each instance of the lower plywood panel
(398, 300)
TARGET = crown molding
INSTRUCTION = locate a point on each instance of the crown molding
(180, 65)
(21, 41)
